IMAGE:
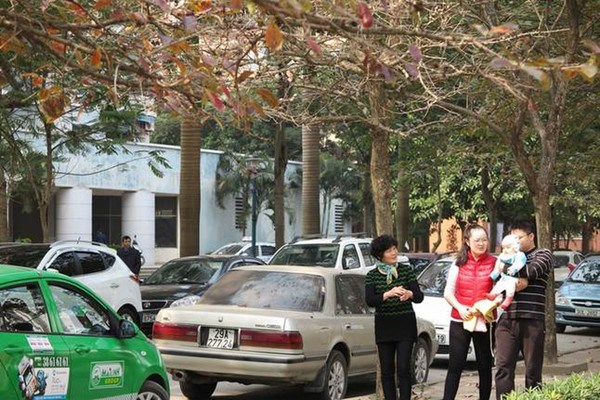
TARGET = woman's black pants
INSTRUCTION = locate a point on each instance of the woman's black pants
(395, 356)
(460, 339)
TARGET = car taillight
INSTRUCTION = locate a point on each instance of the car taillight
(571, 267)
(181, 332)
(277, 340)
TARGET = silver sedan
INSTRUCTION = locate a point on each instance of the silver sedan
(278, 325)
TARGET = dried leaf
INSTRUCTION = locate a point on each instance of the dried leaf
(190, 23)
(365, 15)
(268, 97)
(570, 72)
(314, 45)
(501, 63)
(411, 69)
(253, 107)
(139, 18)
(273, 37)
(216, 101)
(590, 44)
(97, 58)
(202, 6)
(503, 29)
(53, 102)
(415, 52)
(100, 4)
(589, 69)
(244, 75)
(57, 46)
(236, 4)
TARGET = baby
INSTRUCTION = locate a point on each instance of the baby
(515, 259)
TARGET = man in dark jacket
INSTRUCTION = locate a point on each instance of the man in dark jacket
(130, 255)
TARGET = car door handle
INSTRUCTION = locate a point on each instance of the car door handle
(13, 350)
(114, 285)
(82, 349)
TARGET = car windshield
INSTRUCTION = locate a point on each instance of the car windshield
(177, 272)
(230, 249)
(560, 261)
(588, 271)
(323, 255)
(23, 255)
(268, 289)
(433, 278)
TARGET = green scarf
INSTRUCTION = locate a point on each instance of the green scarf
(389, 270)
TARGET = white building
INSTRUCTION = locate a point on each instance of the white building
(120, 195)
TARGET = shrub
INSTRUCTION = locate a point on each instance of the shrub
(575, 387)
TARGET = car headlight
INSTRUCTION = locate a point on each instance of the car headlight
(185, 301)
(561, 299)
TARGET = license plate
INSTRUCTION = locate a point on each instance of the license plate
(441, 339)
(148, 317)
(587, 313)
(220, 338)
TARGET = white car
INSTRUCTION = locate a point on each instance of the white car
(342, 252)
(92, 263)
(244, 248)
(565, 261)
(435, 308)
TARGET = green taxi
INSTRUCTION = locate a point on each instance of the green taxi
(59, 340)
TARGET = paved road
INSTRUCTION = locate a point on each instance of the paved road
(574, 339)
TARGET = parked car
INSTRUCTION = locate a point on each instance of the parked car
(418, 261)
(271, 325)
(264, 250)
(342, 252)
(92, 263)
(184, 280)
(59, 340)
(577, 301)
(565, 261)
(435, 308)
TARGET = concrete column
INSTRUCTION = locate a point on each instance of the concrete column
(137, 209)
(74, 213)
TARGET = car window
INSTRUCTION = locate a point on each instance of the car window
(577, 258)
(560, 261)
(433, 279)
(184, 272)
(79, 314)
(588, 271)
(268, 289)
(323, 255)
(66, 263)
(267, 250)
(230, 249)
(22, 309)
(351, 257)
(90, 262)
(365, 249)
(109, 259)
(350, 295)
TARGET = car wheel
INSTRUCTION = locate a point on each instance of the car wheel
(336, 380)
(420, 362)
(197, 391)
(560, 328)
(129, 314)
(152, 391)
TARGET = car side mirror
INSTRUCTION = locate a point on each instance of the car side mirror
(126, 329)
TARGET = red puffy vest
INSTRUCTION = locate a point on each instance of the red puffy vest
(473, 281)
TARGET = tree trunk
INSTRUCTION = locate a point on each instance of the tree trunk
(46, 194)
(402, 211)
(311, 217)
(279, 170)
(189, 188)
(367, 202)
(4, 233)
(586, 236)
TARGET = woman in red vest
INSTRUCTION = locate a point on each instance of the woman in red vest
(468, 282)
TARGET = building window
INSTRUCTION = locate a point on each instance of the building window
(106, 219)
(339, 218)
(165, 221)
(240, 215)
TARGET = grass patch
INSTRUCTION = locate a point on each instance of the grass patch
(574, 387)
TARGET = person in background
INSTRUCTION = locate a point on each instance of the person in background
(130, 255)
(522, 326)
(100, 237)
(391, 288)
(468, 282)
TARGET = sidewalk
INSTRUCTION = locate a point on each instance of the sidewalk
(568, 362)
